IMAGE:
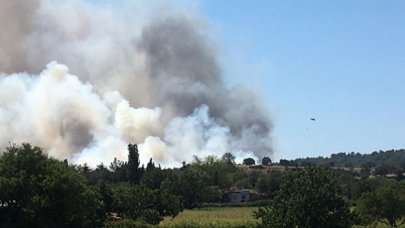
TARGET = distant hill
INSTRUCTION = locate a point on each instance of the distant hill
(392, 158)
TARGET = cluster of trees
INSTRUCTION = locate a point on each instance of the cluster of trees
(385, 204)
(38, 191)
(307, 198)
(250, 161)
(314, 196)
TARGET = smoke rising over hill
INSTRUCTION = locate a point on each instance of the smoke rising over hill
(83, 80)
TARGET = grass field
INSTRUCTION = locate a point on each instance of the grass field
(226, 217)
(213, 217)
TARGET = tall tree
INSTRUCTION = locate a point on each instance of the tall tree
(134, 172)
(150, 166)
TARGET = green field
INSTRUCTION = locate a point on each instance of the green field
(213, 217)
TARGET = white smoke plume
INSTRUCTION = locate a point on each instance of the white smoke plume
(83, 79)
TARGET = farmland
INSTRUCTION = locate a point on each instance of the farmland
(213, 217)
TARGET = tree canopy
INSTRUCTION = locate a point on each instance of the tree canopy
(249, 161)
(266, 161)
(385, 204)
(307, 197)
(134, 171)
(37, 191)
(229, 158)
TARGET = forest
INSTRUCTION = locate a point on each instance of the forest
(40, 191)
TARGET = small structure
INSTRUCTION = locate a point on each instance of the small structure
(243, 195)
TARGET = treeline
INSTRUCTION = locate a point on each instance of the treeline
(389, 157)
(38, 191)
(390, 161)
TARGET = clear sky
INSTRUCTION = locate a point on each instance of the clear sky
(341, 62)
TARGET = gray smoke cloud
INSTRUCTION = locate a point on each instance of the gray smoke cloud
(101, 76)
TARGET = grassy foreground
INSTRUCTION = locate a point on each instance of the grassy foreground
(213, 217)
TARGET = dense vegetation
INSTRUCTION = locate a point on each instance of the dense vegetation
(38, 191)
(307, 198)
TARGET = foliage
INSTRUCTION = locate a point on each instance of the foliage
(285, 162)
(269, 184)
(386, 204)
(153, 178)
(101, 173)
(119, 171)
(229, 158)
(218, 172)
(191, 184)
(249, 161)
(141, 203)
(307, 197)
(134, 171)
(150, 166)
(266, 161)
(44, 192)
(37, 191)
(106, 199)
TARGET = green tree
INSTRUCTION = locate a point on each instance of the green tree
(217, 171)
(284, 162)
(192, 185)
(266, 161)
(101, 173)
(105, 200)
(134, 171)
(119, 171)
(229, 158)
(141, 203)
(150, 165)
(249, 161)
(307, 197)
(269, 184)
(153, 178)
(37, 191)
(386, 204)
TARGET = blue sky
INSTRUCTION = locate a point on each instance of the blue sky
(341, 62)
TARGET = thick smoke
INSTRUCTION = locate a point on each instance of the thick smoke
(143, 76)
